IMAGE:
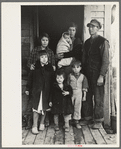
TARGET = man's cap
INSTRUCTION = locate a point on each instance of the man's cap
(95, 23)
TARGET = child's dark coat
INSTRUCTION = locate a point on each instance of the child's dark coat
(40, 80)
(61, 104)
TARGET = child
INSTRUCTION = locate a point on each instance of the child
(43, 45)
(40, 81)
(79, 85)
(61, 100)
(62, 47)
(43, 42)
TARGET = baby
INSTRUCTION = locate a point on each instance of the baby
(62, 47)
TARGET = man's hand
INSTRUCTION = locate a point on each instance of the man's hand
(54, 68)
(59, 55)
(27, 92)
(100, 80)
(84, 97)
(50, 104)
(32, 67)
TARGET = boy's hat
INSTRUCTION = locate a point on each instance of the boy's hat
(95, 23)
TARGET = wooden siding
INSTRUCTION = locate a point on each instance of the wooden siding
(94, 12)
(26, 31)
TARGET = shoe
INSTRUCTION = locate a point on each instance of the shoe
(35, 131)
(78, 126)
(56, 128)
(66, 129)
(41, 127)
(47, 124)
(89, 122)
(96, 126)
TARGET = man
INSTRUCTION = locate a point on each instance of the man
(95, 63)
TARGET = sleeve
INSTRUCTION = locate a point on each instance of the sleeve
(30, 81)
(76, 52)
(104, 51)
(83, 56)
(52, 58)
(68, 79)
(85, 84)
(31, 58)
(52, 86)
(70, 90)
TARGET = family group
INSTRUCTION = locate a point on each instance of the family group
(71, 81)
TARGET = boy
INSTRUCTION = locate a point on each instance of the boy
(79, 85)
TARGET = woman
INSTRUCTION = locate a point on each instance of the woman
(76, 47)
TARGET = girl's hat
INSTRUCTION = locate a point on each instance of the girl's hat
(42, 52)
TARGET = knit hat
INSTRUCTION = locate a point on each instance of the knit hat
(42, 52)
(95, 23)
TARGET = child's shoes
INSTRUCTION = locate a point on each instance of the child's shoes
(42, 127)
(34, 130)
(56, 128)
(78, 126)
(67, 129)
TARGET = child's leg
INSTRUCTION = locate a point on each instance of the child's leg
(35, 122)
(42, 126)
(56, 121)
(66, 120)
(77, 107)
(47, 119)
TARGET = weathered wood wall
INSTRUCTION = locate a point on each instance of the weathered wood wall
(27, 31)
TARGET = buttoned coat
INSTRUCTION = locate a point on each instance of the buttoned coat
(40, 80)
(61, 104)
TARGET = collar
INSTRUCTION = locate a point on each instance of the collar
(92, 39)
(76, 76)
(39, 48)
(44, 64)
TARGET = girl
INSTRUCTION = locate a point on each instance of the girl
(40, 81)
(61, 100)
(43, 42)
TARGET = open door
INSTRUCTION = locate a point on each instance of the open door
(54, 20)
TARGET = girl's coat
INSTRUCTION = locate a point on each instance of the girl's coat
(40, 80)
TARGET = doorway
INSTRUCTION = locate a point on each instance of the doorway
(54, 20)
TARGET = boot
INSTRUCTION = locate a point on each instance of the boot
(35, 122)
(96, 125)
(86, 122)
(29, 122)
(56, 122)
(42, 125)
(77, 124)
(66, 127)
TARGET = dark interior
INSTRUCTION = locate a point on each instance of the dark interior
(54, 20)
